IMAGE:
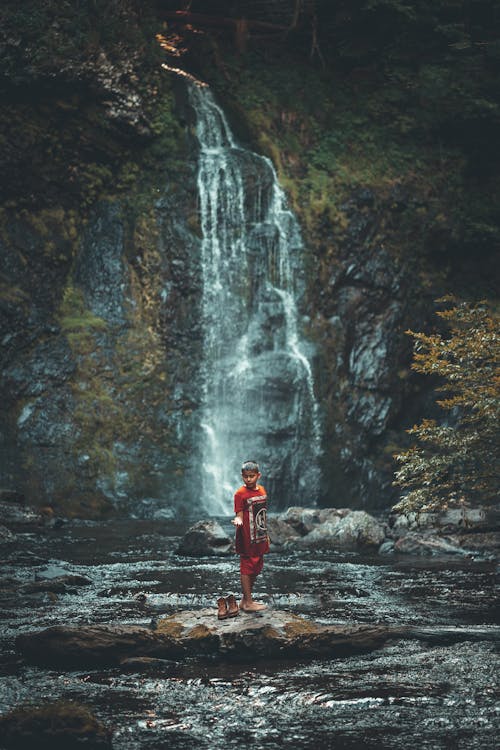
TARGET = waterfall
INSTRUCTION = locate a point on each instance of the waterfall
(258, 394)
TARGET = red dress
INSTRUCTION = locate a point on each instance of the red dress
(251, 538)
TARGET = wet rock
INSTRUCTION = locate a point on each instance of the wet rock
(89, 645)
(59, 585)
(302, 520)
(52, 572)
(387, 547)
(270, 634)
(280, 532)
(149, 664)
(6, 536)
(421, 544)
(58, 726)
(13, 513)
(205, 538)
(328, 528)
(154, 509)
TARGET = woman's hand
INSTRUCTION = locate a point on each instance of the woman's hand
(237, 521)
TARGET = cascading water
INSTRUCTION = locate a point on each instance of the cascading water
(258, 399)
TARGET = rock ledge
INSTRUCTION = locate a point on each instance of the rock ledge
(270, 634)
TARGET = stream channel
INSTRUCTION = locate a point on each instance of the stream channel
(411, 693)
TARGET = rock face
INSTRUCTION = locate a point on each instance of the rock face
(271, 634)
(205, 538)
(102, 350)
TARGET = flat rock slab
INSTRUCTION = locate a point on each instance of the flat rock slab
(270, 634)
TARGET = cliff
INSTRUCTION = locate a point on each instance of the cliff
(100, 243)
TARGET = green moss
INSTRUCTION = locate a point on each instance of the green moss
(170, 627)
(76, 320)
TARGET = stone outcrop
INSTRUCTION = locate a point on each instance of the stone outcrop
(270, 634)
(198, 633)
(463, 532)
(326, 528)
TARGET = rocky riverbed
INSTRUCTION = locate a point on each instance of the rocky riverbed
(439, 690)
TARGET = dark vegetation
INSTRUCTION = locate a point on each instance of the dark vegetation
(457, 462)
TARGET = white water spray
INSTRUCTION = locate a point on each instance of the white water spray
(258, 392)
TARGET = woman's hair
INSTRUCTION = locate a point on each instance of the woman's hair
(250, 466)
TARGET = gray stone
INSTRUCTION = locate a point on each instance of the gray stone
(303, 520)
(428, 544)
(353, 530)
(205, 538)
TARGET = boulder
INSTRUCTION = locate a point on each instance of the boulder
(280, 532)
(453, 520)
(140, 664)
(325, 528)
(205, 538)
(353, 530)
(53, 572)
(429, 544)
(269, 634)
(302, 520)
(62, 725)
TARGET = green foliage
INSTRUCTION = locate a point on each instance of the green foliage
(458, 461)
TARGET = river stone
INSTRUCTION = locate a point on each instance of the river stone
(302, 520)
(355, 529)
(428, 544)
(62, 725)
(249, 636)
(205, 538)
(280, 532)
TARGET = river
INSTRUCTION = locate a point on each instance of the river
(437, 694)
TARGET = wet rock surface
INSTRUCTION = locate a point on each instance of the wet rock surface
(433, 689)
(326, 528)
(247, 637)
(205, 538)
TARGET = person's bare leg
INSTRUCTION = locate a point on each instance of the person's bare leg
(247, 603)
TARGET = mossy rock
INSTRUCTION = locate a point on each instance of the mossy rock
(62, 725)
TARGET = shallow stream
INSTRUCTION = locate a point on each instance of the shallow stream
(411, 693)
